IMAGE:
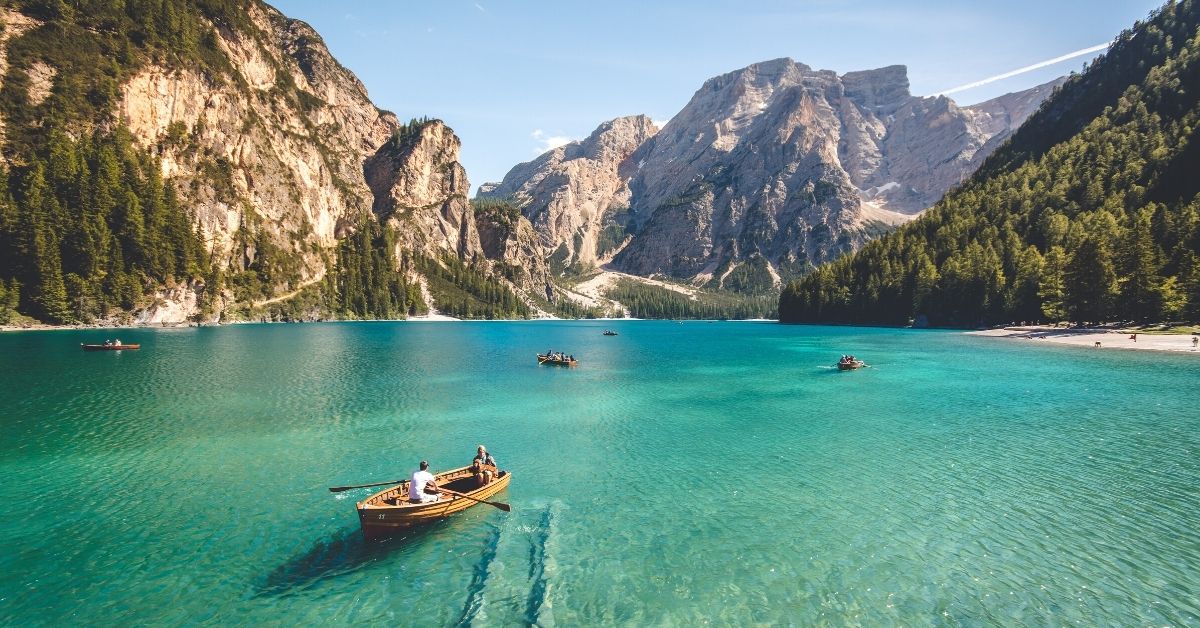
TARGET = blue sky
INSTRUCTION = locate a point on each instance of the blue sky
(513, 77)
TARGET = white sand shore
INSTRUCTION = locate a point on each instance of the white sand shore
(1103, 338)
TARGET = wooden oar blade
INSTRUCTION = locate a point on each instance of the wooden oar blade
(338, 489)
(502, 506)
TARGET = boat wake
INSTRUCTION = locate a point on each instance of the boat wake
(513, 578)
(479, 579)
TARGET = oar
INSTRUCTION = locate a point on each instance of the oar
(338, 489)
(500, 505)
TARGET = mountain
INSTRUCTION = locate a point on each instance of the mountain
(1090, 213)
(766, 172)
(173, 160)
(575, 194)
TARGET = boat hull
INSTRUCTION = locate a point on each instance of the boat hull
(379, 516)
(110, 347)
(850, 366)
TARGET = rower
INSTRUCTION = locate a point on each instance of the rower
(421, 485)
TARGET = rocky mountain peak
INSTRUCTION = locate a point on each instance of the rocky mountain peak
(768, 169)
(611, 139)
(881, 90)
(572, 193)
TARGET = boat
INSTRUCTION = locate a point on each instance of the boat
(850, 364)
(609, 332)
(109, 347)
(560, 359)
(389, 510)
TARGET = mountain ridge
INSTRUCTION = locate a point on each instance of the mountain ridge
(767, 171)
(1085, 215)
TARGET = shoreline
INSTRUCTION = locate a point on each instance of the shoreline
(437, 318)
(1095, 338)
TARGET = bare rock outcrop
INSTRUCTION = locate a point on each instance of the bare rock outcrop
(572, 193)
(278, 147)
(421, 189)
(767, 171)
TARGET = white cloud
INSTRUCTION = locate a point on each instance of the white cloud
(1028, 68)
(480, 7)
(548, 142)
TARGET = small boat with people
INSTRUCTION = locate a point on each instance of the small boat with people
(609, 332)
(557, 357)
(392, 510)
(850, 363)
(110, 345)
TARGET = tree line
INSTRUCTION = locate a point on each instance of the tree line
(367, 280)
(645, 301)
(1099, 225)
(88, 226)
(462, 290)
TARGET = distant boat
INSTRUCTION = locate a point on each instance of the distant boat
(109, 347)
(560, 359)
(609, 332)
(849, 364)
(390, 511)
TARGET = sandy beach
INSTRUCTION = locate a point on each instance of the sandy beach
(1104, 338)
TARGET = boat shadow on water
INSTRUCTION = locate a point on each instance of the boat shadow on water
(337, 555)
(521, 597)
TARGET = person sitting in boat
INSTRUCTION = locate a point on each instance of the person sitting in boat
(483, 466)
(117, 342)
(421, 484)
(108, 343)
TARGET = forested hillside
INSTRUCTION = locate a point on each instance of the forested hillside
(87, 223)
(209, 160)
(1090, 213)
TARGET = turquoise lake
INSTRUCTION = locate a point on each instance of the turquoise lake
(688, 473)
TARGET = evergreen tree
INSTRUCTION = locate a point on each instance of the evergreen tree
(1106, 168)
(1141, 285)
(1090, 282)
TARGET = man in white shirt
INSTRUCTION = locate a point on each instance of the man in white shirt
(420, 481)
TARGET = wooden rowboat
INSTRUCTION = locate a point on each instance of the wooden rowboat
(609, 332)
(87, 347)
(549, 359)
(850, 365)
(389, 510)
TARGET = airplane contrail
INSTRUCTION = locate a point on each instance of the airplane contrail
(1028, 68)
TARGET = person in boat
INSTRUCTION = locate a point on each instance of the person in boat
(483, 466)
(117, 342)
(421, 484)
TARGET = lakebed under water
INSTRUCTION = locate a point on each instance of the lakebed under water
(683, 473)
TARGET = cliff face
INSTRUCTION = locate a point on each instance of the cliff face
(279, 144)
(572, 193)
(771, 168)
(275, 150)
(420, 189)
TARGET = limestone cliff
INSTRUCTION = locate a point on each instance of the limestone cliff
(420, 189)
(274, 148)
(279, 145)
(767, 171)
(572, 193)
